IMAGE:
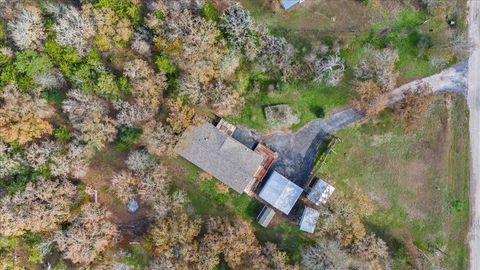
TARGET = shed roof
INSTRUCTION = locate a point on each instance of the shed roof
(286, 4)
(309, 219)
(320, 192)
(220, 155)
(280, 192)
(266, 216)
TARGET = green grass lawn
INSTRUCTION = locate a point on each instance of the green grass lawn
(418, 181)
(310, 100)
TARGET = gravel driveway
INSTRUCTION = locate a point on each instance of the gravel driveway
(297, 150)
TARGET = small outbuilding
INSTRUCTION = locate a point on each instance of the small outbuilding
(309, 219)
(320, 192)
(279, 192)
(286, 4)
(265, 216)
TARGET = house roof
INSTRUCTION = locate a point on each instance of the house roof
(220, 155)
(280, 192)
(309, 219)
(286, 4)
(320, 192)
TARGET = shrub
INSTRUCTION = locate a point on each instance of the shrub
(123, 8)
(164, 64)
(136, 257)
(3, 33)
(209, 12)
(8, 74)
(65, 58)
(54, 96)
(127, 137)
(30, 62)
(62, 133)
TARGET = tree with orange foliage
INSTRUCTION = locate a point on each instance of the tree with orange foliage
(180, 116)
(232, 238)
(22, 116)
(412, 108)
(371, 99)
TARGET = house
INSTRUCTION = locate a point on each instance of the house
(279, 192)
(309, 219)
(213, 150)
(265, 216)
(286, 4)
(320, 192)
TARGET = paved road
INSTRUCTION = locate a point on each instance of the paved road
(473, 98)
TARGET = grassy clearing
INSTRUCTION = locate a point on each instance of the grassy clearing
(310, 100)
(417, 181)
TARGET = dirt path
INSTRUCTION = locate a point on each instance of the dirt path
(473, 99)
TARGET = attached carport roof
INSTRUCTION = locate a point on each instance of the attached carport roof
(280, 192)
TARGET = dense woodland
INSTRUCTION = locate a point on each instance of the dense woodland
(80, 77)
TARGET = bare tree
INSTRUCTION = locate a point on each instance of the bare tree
(159, 139)
(371, 248)
(27, 29)
(38, 153)
(72, 28)
(89, 234)
(78, 155)
(326, 255)
(131, 114)
(148, 86)
(153, 189)
(328, 69)
(240, 30)
(89, 117)
(275, 53)
(141, 162)
(50, 79)
(141, 46)
(379, 66)
(40, 207)
(10, 160)
(125, 184)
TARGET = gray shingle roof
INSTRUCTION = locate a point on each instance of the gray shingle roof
(309, 219)
(280, 192)
(220, 155)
